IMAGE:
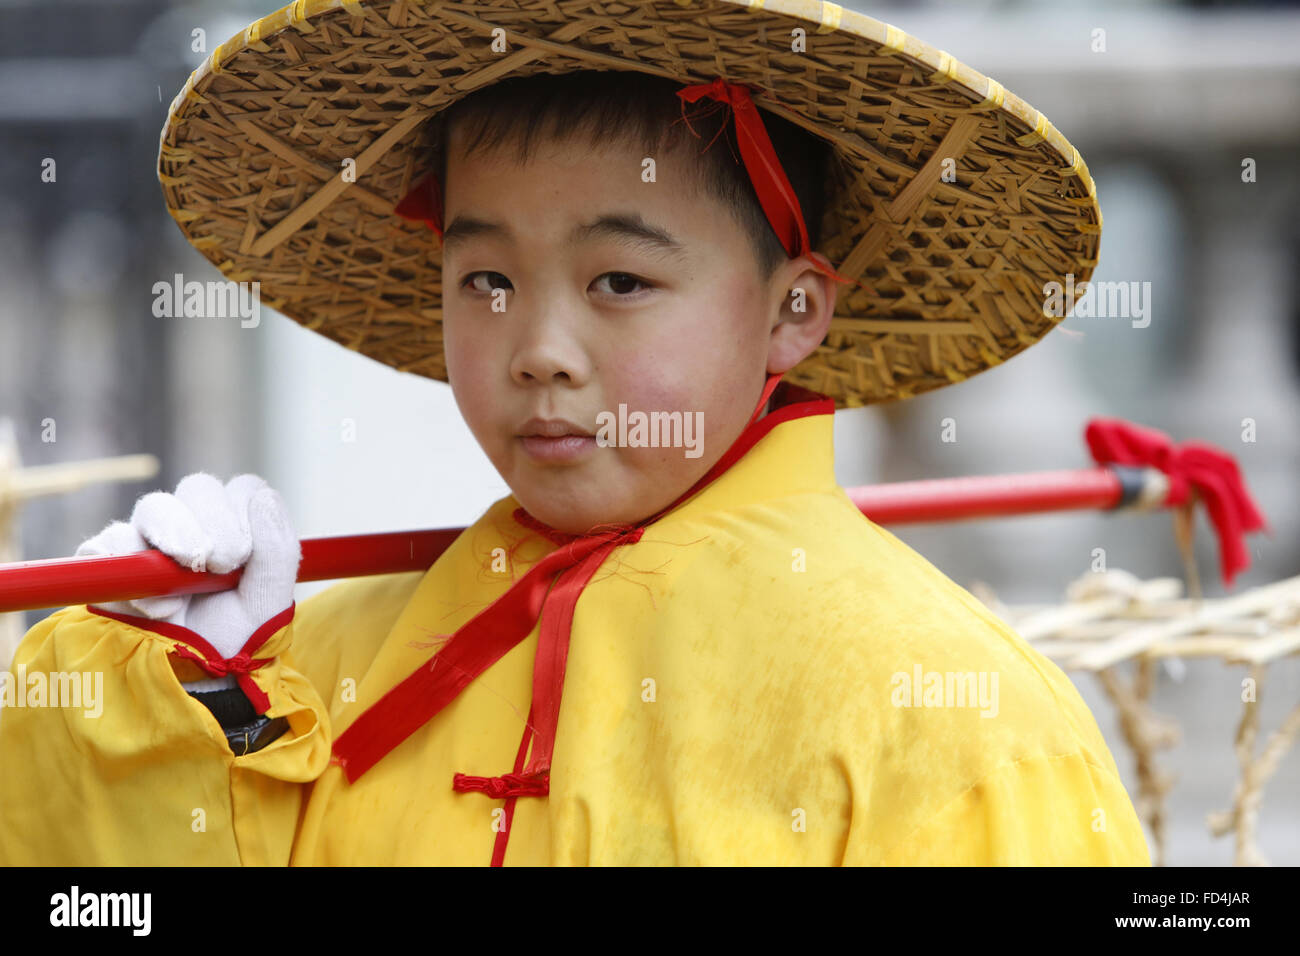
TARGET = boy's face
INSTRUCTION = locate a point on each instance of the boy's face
(593, 315)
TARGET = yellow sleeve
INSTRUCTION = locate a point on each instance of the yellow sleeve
(1039, 811)
(113, 763)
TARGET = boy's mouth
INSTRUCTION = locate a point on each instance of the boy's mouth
(555, 440)
(551, 428)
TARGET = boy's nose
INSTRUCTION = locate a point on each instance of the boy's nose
(550, 360)
(547, 347)
(558, 374)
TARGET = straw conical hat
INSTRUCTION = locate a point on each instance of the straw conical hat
(251, 153)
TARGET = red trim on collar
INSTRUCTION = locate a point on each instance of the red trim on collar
(789, 402)
(242, 664)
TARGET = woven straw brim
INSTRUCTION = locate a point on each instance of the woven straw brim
(956, 264)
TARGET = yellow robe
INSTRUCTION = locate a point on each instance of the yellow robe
(765, 677)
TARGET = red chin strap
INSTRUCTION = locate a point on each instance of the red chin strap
(775, 194)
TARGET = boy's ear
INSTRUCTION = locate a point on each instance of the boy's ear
(801, 311)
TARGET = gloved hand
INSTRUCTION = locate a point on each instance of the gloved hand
(207, 527)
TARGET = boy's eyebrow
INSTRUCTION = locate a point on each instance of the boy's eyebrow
(629, 228)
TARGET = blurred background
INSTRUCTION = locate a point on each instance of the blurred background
(1165, 117)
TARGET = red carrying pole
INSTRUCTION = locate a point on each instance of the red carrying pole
(987, 496)
(61, 582)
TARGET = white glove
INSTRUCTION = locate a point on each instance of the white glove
(206, 527)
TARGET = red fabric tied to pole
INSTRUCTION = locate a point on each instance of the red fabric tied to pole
(1191, 466)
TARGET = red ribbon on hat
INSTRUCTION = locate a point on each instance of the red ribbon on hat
(775, 194)
(1191, 466)
(423, 203)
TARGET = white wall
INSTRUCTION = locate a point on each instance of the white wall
(413, 463)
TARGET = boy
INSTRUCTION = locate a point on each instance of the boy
(638, 657)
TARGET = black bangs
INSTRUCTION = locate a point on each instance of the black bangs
(644, 111)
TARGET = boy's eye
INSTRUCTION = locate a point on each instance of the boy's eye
(619, 283)
(474, 276)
